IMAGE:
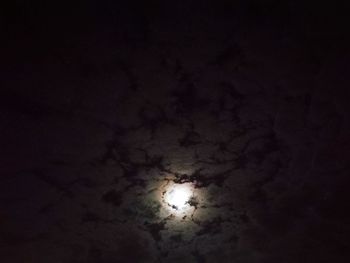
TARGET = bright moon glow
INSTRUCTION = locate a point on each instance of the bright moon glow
(178, 196)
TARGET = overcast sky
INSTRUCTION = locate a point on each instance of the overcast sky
(106, 108)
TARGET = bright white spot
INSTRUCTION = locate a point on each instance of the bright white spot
(178, 196)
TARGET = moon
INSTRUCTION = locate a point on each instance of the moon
(177, 197)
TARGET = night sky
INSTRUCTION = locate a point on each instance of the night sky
(174, 131)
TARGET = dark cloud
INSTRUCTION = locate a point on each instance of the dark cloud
(106, 107)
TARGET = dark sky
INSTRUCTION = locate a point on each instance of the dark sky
(106, 107)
